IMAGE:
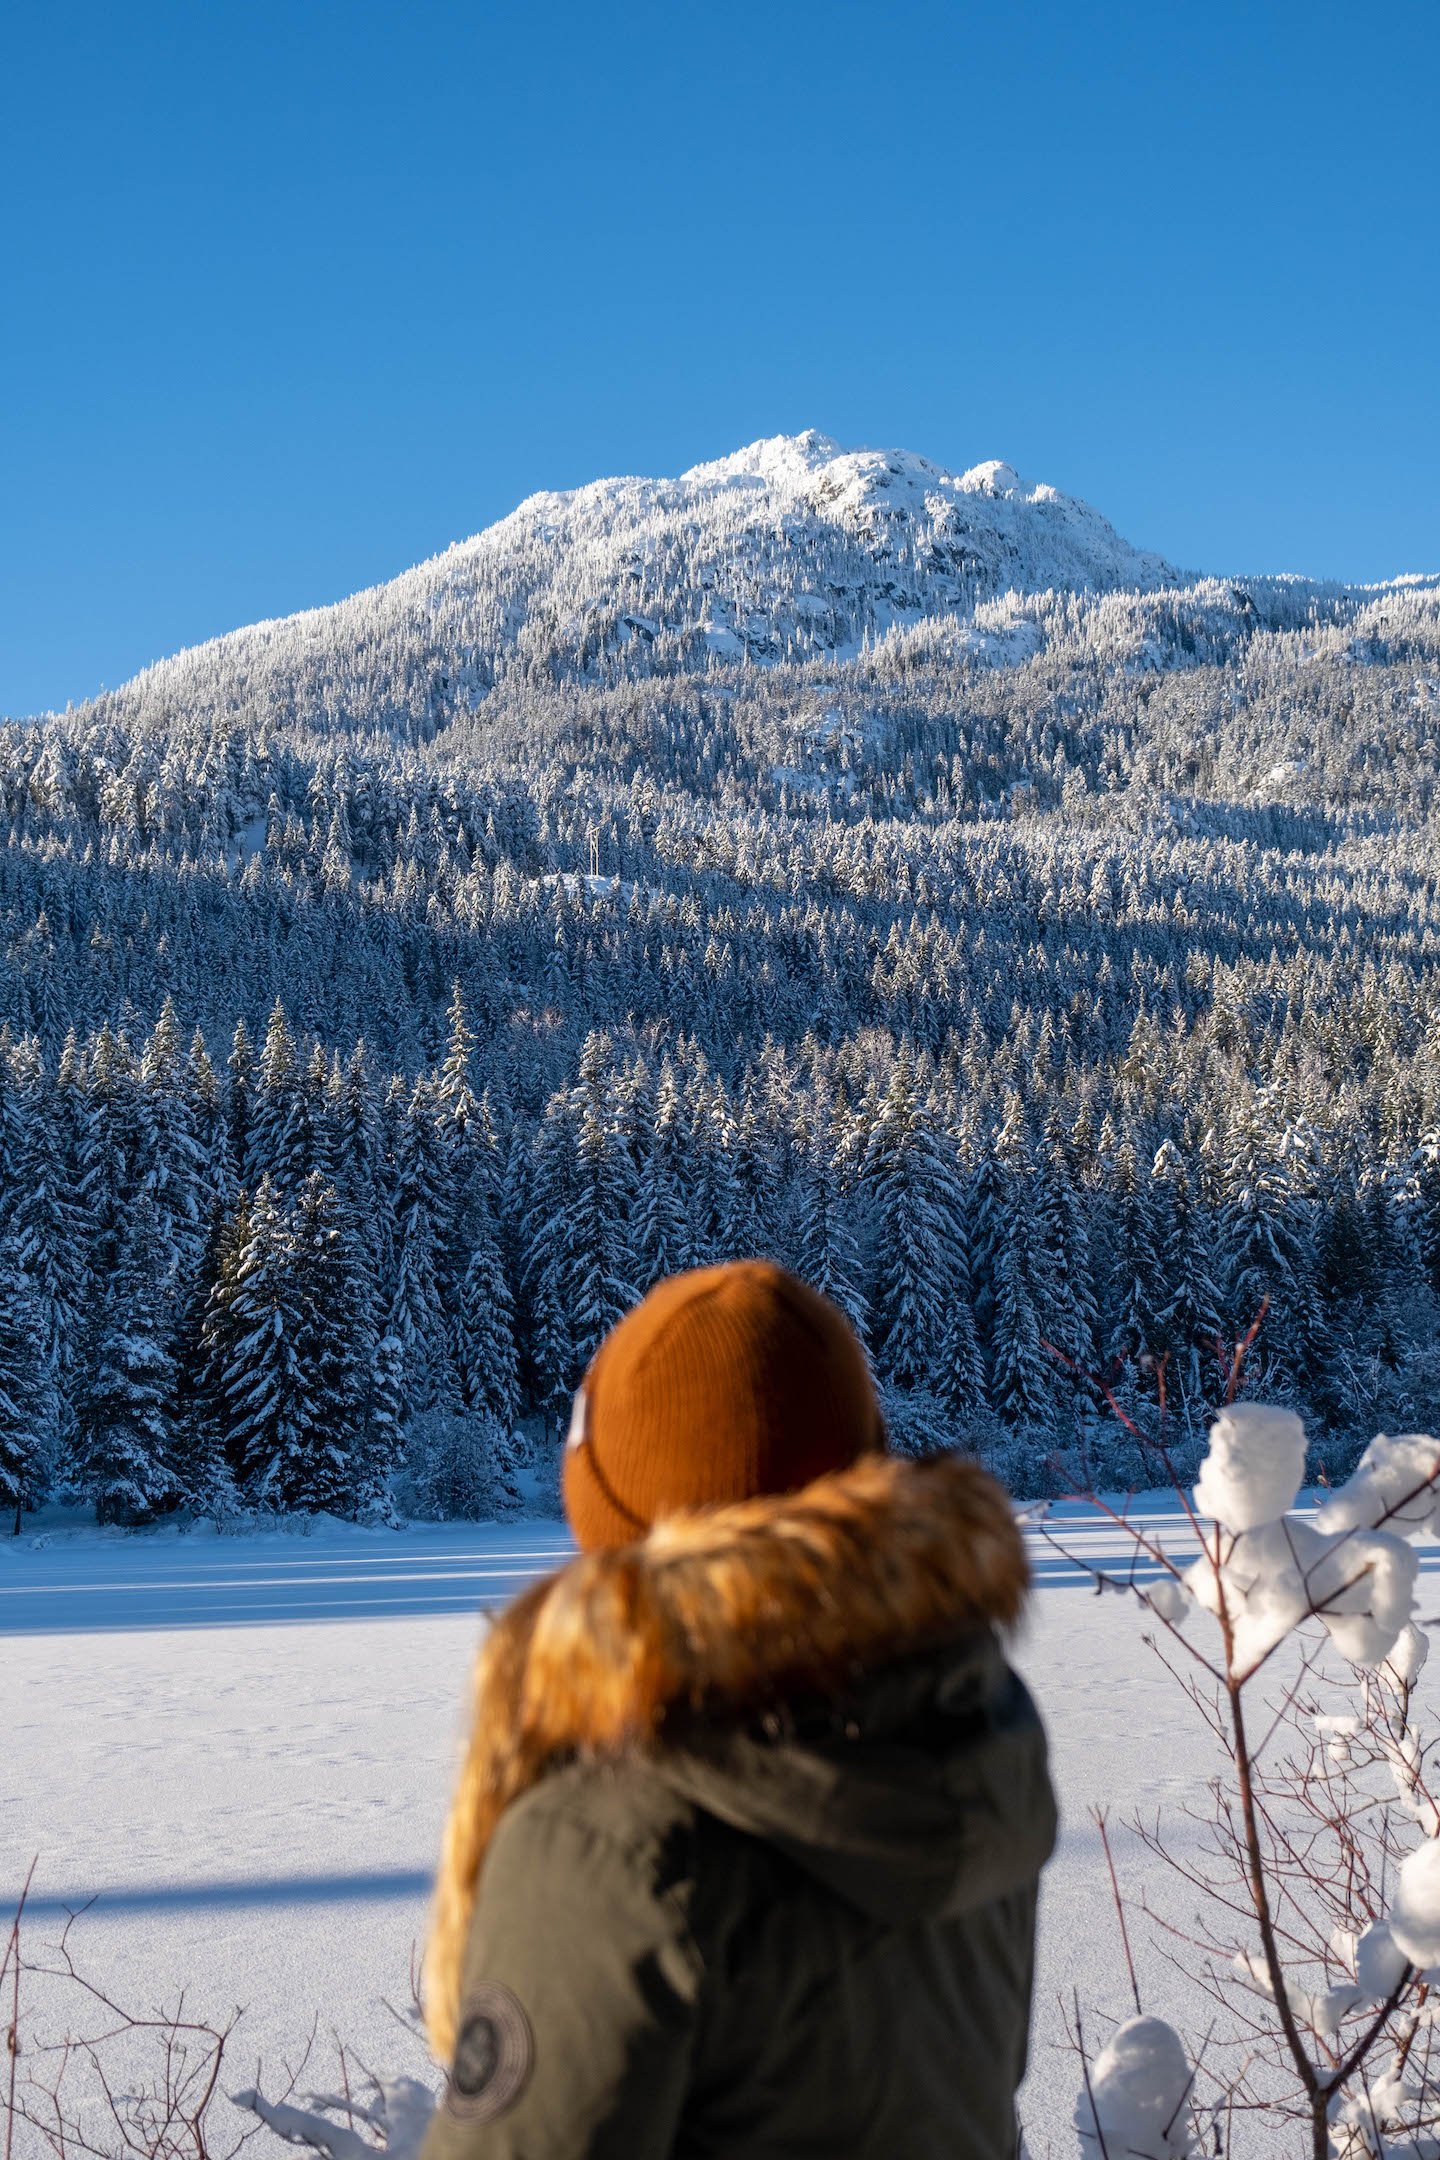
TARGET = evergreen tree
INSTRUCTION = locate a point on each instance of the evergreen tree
(913, 1187)
(43, 1216)
(485, 1335)
(258, 1377)
(1191, 1323)
(422, 1206)
(334, 1355)
(123, 1441)
(1021, 1388)
(1137, 1290)
(961, 1387)
(203, 1339)
(275, 1141)
(826, 1252)
(385, 1416)
(549, 1261)
(22, 1387)
(662, 1234)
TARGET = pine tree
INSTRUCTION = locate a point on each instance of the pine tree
(1425, 1187)
(455, 1092)
(715, 1196)
(422, 1206)
(257, 1375)
(826, 1252)
(22, 1386)
(1137, 1292)
(1021, 1387)
(1191, 1323)
(961, 1387)
(662, 1233)
(485, 1335)
(123, 1442)
(43, 1216)
(239, 1101)
(913, 1186)
(276, 1139)
(204, 1339)
(384, 1438)
(1065, 1286)
(598, 1284)
(1268, 1234)
(550, 1335)
(334, 1354)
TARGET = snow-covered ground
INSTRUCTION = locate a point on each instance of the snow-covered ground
(241, 1748)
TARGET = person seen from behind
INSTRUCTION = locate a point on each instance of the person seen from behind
(743, 1858)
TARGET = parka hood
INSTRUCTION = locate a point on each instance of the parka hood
(820, 1669)
(925, 1795)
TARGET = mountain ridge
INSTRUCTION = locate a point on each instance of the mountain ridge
(788, 548)
(788, 551)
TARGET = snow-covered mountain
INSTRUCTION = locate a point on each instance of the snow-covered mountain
(790, 549)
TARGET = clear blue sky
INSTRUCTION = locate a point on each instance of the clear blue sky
(295, 292)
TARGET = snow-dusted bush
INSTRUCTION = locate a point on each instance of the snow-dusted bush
(459, 1466)
(1319, 1930)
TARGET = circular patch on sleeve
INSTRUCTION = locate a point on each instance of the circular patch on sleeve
(494, 2055)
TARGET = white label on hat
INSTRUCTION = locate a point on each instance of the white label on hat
(575, 1437)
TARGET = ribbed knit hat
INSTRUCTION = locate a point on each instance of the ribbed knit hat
(722, 1384)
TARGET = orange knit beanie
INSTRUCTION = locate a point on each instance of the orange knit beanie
(722, 1384)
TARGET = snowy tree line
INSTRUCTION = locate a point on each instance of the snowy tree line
(276, 1278)
(1059, 1011)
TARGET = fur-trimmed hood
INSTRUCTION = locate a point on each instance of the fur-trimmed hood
(811, 1668)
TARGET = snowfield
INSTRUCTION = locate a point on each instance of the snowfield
(241, 1749)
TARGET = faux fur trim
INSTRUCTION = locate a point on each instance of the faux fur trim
(722, 1612)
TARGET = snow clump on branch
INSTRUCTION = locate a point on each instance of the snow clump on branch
(1415, 1913)
(1279, 1569)
(1252, 1472)
(1137, 2101)
(1394, 1479)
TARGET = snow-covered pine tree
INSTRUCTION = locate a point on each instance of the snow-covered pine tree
(1137, 1294)
(43, 1218)
(455, 1092)
(203, 1342)
(1022, 1387)
(238, 1096)
(1425, 1190)
(549, 1337)
(662, 1232)
(423, 1204)
(593, 1259)
(1068, 1315)
(169, 1158)
(385, 1412)
(714, 1193)
(913, 1188)
(825, 1250)
(1268, 1234)
(961, 1385)
(334, 1356)
(275, 1141)
(484, 1347)
(1190, 1324)
(23, 1386)
(254, 1337)
(122, 1455)
(753, 1217)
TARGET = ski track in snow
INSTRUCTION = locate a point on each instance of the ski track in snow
(241, 1749)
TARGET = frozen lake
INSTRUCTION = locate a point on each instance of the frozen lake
(241, 1749)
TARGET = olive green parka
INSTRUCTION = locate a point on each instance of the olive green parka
(744, 1856)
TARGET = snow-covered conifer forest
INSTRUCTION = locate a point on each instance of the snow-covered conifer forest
(820, 855)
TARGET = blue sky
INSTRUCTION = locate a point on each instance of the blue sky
(296, 294)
